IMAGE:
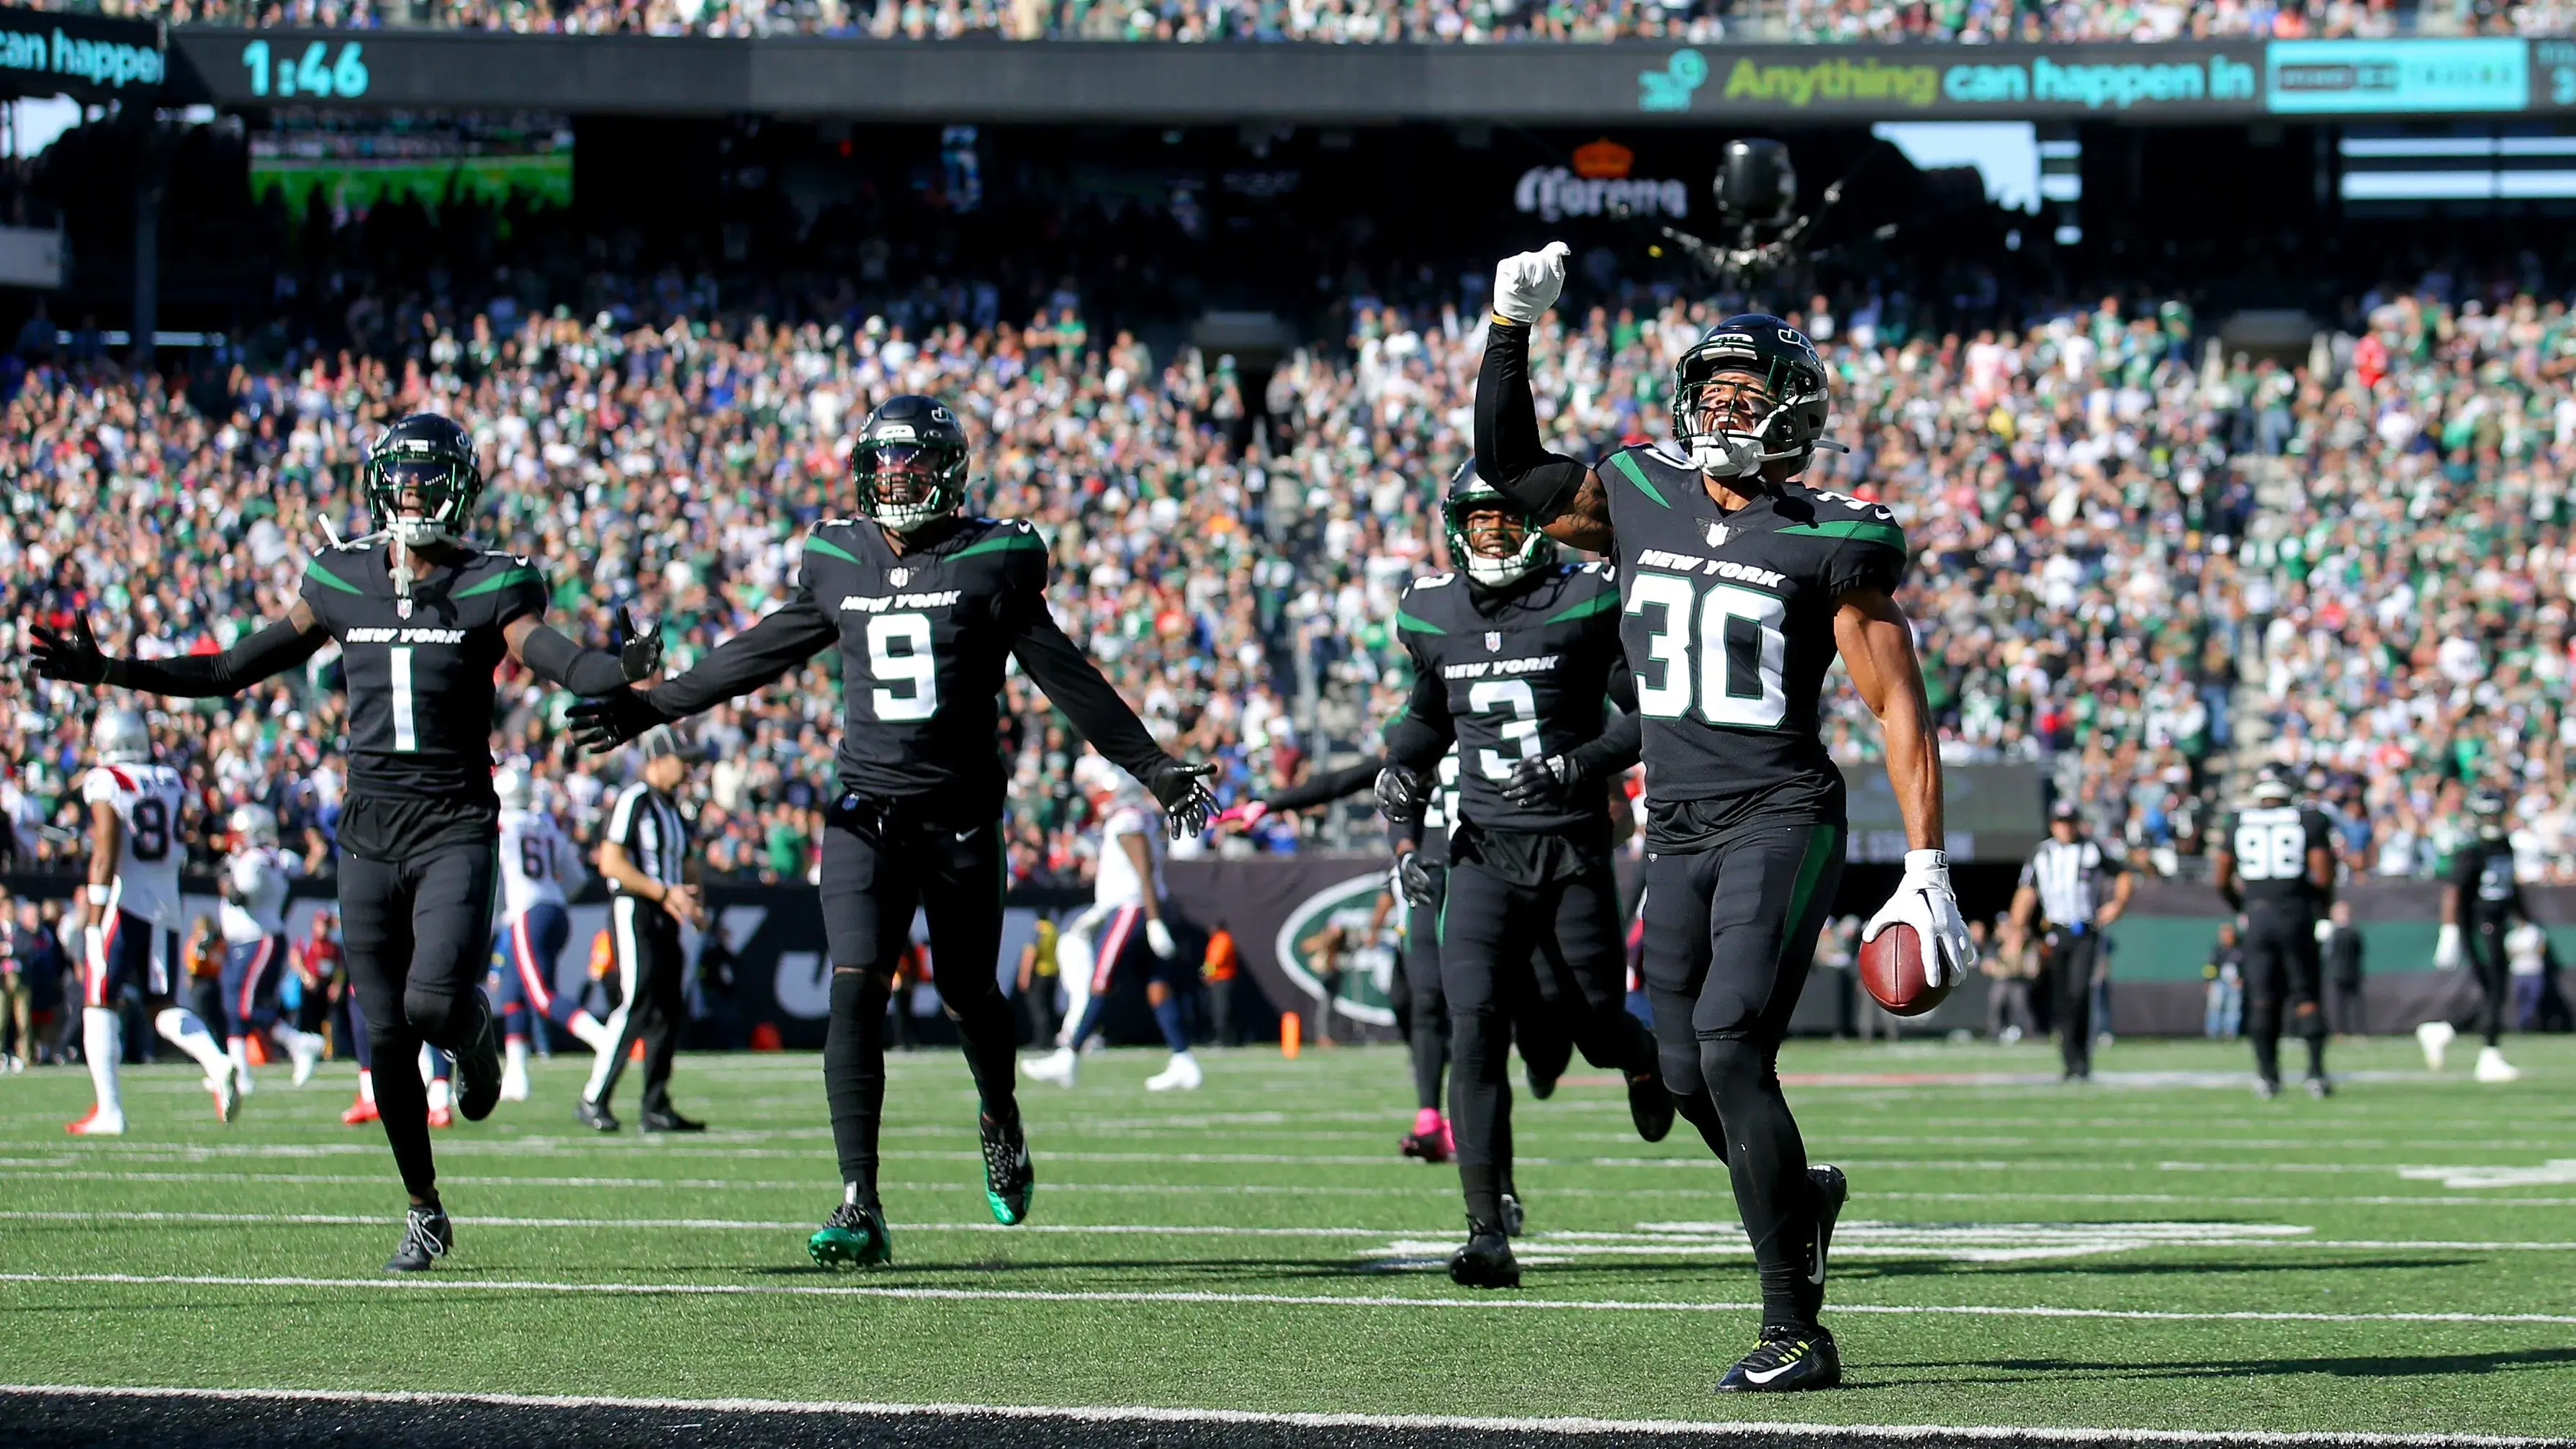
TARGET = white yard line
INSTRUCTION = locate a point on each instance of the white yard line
(427, 1284)
(1621, 1428)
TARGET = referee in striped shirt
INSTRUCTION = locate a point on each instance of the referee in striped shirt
(644, 859)
(2063, 883)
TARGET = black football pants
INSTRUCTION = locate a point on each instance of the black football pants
(882, 861)
(418, 936)
(1489, 971)
(2283, 971)
(2071, 956)
(653, 1001)
(1729, 935)
(1426, 1006)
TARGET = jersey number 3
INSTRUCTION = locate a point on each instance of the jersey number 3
(909, 667)
(1735, 678)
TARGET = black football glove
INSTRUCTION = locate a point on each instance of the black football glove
(602, 724)
(639, 651)
(1412, 878)
(1547, 783)
(1401, 793)
(1182, 790)
(73, 658)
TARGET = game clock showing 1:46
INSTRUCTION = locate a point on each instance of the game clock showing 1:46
(313, 73)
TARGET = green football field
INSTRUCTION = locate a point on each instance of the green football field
(2159, 1250)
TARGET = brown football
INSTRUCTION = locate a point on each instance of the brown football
(1891, 969)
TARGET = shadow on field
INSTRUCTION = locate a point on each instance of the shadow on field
(2104, 1267)
(2371, 1366)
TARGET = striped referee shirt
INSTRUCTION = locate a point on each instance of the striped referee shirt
(648, 826)
(2068, 875)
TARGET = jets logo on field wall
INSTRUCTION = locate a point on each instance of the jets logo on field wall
(1368, 972)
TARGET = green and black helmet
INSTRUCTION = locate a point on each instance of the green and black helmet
(1469, 493)
(1792, 376)
(421, 480)
(910, 463)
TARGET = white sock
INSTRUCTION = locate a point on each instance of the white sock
(366, 1086)
(428, 1065)
(587, 1029)
(440, 1094)
(514, 1056)
(237, 1051)
(180, 1027)
(603, 1057)
(103, 1044)
(298, 1042)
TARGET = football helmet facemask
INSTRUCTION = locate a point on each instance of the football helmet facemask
(1777, 405)
(1469, 495)
(909, 462)
(421, 481)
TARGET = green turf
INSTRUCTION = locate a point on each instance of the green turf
(2287, 1206)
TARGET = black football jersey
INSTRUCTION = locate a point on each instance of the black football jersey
(923, 640)
(2483, 871)
(419, 671)
(1728, 623)
(2270, 845)
(1513, 675)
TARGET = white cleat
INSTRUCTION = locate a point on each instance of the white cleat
(2492, 1067)
(227, 1093)
(1183, 1075)
(98, 1124)
(1059, 1066)
(514, 1084)
(307, 1054)
(2435, 1038)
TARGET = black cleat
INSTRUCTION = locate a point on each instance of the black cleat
(2266, 1089)
(1832, 1191)
(1010, 1177)
(668, 1121)
(594, 1116)
(1485, 1259)
(1542, 1067)
(2320, 1088)
(1650, 1106)
(426, 1239)
(478, 1067)
(1513, 1212)
(1785, 1361)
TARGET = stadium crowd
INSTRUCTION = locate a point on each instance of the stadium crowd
(2099, 583)
(1364, 21)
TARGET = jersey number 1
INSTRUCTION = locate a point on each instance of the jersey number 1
(1741, 652)
(913, 668)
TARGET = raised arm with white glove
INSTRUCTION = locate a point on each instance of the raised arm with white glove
(1925, 901)
(1526, 284)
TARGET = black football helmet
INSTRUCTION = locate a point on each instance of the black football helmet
(910, 463)
(1792, 376)
(1469, 493)
(421, 480)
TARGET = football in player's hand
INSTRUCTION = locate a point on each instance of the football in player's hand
(1891, 969)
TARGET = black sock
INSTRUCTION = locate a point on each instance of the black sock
(990, 1040)
(1430, 1041)
(2316, 1056)
(854, 1074)
(2267, 1056)
(1476, 1098)
(1696, 1109)
(402, 1105)
(1767, 1160)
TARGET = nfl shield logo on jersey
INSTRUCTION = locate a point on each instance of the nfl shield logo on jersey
(1717, 535)
(1493, 641)
(899, 577)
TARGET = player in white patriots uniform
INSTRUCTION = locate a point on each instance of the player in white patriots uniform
(130, 918)
(253, 922)
(1125, 930)
(539, 867)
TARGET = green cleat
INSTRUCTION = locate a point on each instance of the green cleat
(853, 1237)
(1010, 1178)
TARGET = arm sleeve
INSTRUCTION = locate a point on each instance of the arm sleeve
(273, 650)
(556, 658)
(1613, 750)
(1326, 786)
(1074, 685)
(1509, 452)
(1417, 738)
(755, 657)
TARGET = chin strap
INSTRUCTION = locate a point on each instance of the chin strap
(404, 575)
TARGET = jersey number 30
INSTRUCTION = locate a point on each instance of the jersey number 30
(1729, 665)
(899, 655)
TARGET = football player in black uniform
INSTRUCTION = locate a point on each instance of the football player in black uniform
(927, 605)
(1738, 589)
(422, 620)
(2480, 899)
(1515, 662)
(2275, 864)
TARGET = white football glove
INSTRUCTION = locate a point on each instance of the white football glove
(1526, 284)
(2447, 950)
(1925, 901)
(1158, 939)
